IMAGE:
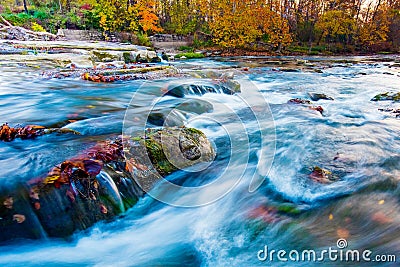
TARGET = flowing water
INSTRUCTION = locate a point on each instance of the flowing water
(257, 135)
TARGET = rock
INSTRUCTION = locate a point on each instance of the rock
(180, 91)
(289, 70)
(98, 184)
(164, 56)
(142, 57)
(128, 57)
(317, 108)
(168, 150)
(151, 55)
(299, 101)
(155, 60)
(387, 96)
(318, 96)
(392, 111)
(106, 56)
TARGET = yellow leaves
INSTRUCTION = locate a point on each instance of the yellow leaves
(240, 24)
(373, 31)
(51, 179)
(37, 27)
(336, 22)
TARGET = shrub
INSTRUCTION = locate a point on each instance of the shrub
(189, 55)
(41, 14)
(37, 27)
(186, 48)
(144, 40)
(17, 19)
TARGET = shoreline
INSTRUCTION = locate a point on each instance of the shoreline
(208, 52)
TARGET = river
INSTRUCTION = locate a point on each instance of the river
(257, 192)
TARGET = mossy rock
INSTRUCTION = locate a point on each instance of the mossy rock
(163, 151)
(106, 56)
(128, 57)
(387, 97)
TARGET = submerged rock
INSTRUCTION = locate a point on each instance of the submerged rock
(319, 96)
(299, 101)
(8, 134)
(387, 96)
(392, 111)
(98, 184)
(201, 89)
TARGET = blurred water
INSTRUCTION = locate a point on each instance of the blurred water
(362, 205)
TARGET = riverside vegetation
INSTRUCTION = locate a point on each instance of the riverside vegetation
(302, 26)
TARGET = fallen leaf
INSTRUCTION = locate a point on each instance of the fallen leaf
(37, 205)
(342, 233)
(19, 218)
(103, 209)
(93, 167)
(8, 202)
(381, 217)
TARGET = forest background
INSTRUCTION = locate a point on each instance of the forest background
(279, 26)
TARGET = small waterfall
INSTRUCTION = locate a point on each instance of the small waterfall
(106, 181)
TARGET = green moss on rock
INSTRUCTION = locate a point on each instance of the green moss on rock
(387, 96)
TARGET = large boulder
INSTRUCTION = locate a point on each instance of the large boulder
(106, 56)
(161, 152)
(99, 183)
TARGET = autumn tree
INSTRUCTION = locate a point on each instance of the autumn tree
(336, 25)
(121, 15)
(240, 24)
(180, 16)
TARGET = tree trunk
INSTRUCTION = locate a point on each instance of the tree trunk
(376, 9)
(25, 7)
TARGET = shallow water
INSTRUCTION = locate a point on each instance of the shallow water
(256, 134)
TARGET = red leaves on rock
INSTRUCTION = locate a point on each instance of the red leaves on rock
(92, 167)
(106, 151)
(87, 165)
(300, 101)
(8, 133)
(317, 108)
(109, 78)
